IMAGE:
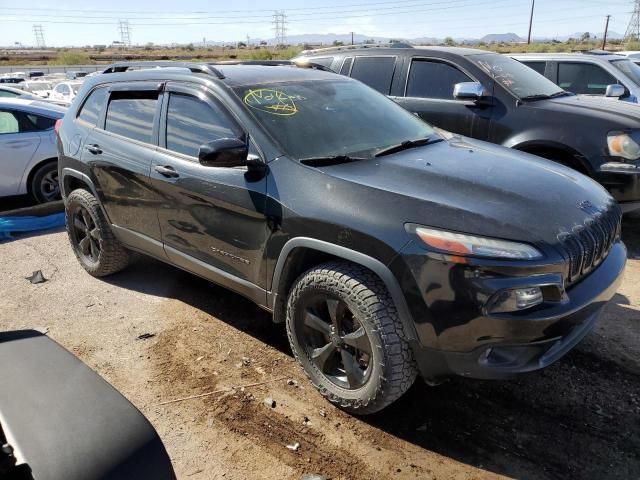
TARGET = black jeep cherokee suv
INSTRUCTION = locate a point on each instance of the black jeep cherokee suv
(493, 97)
(387, 248)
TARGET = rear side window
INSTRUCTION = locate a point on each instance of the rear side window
(131, 115)
(584, 78)
(430, 79)
(192, 123)
(537, 66)
(8, 123)
(21, 122)
(346, 66)
(377, 72)
(90, 111)
(324, 61)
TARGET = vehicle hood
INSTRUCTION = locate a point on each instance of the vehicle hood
(475, 187)
(615, 111)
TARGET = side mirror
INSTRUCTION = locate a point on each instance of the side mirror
(224, 152)
(468, 91)
(616, 91)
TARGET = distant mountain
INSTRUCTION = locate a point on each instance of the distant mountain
(502, 37)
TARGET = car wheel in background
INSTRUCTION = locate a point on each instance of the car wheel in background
(44, 183)
(96, 248)
(344, 330)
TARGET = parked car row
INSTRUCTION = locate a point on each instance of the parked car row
(496, 98)
(388, 247)
(58, 87)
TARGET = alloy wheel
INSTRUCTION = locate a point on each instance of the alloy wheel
(49, 187)
(335, 341)
(86, 234)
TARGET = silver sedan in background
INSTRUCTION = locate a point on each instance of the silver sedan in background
(28, 156)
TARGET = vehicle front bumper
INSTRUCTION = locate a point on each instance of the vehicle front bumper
(622, 180)
(485, 345)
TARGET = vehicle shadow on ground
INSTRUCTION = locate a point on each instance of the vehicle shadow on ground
(580, 418)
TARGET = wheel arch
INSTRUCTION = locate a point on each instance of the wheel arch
(549, 149)
(71, 179)
(301, 253)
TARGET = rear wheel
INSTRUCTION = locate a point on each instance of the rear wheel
(96, 248)
(345, 332)
(44, 183)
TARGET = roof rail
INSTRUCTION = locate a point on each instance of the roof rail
(277, 63)
(358, 46)
(598, 52)
(193, 67)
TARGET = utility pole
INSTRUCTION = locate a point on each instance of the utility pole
(39, 33)
(533, 4)
(352, 38)
(606, 30)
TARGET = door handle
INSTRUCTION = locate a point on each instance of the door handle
(166, 171)
(95, 149)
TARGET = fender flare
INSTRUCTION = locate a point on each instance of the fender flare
(70, 172)
(376, 266)
(551, 144)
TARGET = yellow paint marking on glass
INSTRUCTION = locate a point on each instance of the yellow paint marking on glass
(271, 101)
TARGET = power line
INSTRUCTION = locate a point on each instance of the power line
(125, 32)
(280, 27)
(633, 29)
(39, 33)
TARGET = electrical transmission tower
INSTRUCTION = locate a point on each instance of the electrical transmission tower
(125, 32)
(39, 32)
(280, 27)
(633, 30)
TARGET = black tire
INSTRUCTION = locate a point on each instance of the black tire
(364, 307)
(96, 248)
(44, 185)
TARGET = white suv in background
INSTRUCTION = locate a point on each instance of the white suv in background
(65, 91)
(589, 73)
(28, 155)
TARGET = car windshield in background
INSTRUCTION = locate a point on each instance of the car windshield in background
(519, 79)
(331, 118)
(629, 68)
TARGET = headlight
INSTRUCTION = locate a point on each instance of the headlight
(470, 245)
(622, 145)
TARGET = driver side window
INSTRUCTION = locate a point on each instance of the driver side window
(433, 79)
(192, 122)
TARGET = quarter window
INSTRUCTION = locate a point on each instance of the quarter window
(584, 78)
(92, 108)
(131, 114)
(192, 123)
(429, 79)
(324, 61)
(377, 72)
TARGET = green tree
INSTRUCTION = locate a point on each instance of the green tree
(450, 42)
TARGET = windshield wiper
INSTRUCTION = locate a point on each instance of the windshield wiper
(537, 96)
(561, 93)
(406, 145)
(330, 160)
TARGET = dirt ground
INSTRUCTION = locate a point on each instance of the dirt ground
(578, 419)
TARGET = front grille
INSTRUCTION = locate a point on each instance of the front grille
(587, 245)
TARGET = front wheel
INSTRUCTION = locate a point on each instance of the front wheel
(344, 330)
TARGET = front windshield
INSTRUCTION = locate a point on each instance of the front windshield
(517, 78)
(328, 118)
(629, 68)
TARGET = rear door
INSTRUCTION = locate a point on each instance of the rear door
(208, 214)
(377, 72)
(18, 143)
(429, 94)
(119, 153)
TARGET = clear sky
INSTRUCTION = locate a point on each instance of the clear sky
(88, 22)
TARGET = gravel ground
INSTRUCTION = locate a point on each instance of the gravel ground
(578, 419)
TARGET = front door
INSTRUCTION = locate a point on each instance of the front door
(429, 94)
(212, 218)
